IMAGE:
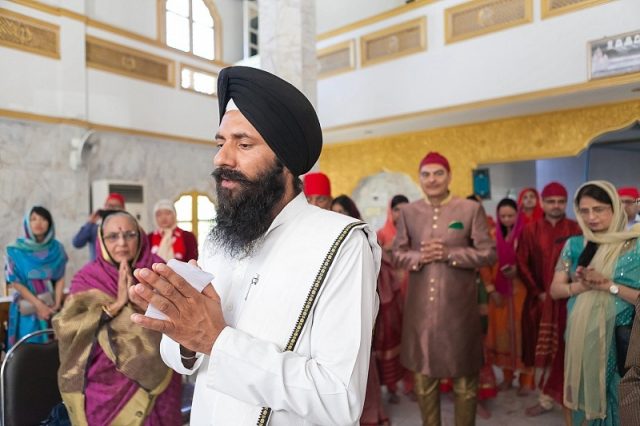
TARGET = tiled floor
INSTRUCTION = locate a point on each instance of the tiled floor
(507, 410)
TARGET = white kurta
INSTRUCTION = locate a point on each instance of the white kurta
(323, 381)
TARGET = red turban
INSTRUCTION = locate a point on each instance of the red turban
(554, 189)
(435, 158)
(317, 184)
(629, 191)
(117, 197)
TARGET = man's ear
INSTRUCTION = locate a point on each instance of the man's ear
(290, 180)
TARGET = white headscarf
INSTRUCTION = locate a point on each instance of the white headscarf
(165, 248)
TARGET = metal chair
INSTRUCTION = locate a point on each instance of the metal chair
(29, 381)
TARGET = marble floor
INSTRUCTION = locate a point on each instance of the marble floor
(506, 410)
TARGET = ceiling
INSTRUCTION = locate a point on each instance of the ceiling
(625, 88)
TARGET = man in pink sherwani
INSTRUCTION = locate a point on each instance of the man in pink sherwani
(442, 240)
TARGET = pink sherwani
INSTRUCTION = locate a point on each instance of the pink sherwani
(441, 334)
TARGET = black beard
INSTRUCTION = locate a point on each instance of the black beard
(243, 217)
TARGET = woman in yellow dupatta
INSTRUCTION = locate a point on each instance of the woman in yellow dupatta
(600, 274)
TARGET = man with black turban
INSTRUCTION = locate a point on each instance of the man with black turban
(284, 333)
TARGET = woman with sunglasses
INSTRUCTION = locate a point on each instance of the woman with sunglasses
(600, 275)
(111, 372)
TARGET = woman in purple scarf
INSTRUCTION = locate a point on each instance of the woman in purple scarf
(111, 372)
(504, 339)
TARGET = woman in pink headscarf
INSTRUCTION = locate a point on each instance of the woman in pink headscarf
(504, 340)
(110, 371)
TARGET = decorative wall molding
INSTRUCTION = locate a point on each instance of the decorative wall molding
(549, 135)
(394, 42)
(112, 57)
(503, 100)
(552, 8)
(376, 18)
(40, 118)
(336, 59)
(25, 33)
(479, 17)
(59, 11)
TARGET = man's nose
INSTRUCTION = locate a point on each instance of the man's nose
(224, 157)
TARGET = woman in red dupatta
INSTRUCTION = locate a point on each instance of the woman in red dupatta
(504, 339)
(529, 205)
(111, 372)
(392, 289)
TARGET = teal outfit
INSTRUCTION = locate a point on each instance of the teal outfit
(37, 266)
(627, 273)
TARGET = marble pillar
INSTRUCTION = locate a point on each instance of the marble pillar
(287, 42)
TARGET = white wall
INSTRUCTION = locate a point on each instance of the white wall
(137, 104)
(231, 15)
(43, 85)
(332, 14)
(77, 6)
(544, 54)
(139, 16)
(620, 166)
(507, 180)
(66, 88)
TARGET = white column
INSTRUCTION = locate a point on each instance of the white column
(287, 39)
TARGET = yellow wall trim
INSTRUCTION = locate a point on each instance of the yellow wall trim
(49, 119)
(28, 34)
(549, 9)
(111, 57)
(376, 18)
(545, 93)
(325, 55)
(548, 135)
(480, 17)
(58, 11)
(391, 43)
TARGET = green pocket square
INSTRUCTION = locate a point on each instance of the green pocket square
(456, 224)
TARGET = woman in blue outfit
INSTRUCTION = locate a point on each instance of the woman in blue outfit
(599, 273)
(34, 267)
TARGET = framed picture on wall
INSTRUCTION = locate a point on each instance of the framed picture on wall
(615, 55)
(481, 183)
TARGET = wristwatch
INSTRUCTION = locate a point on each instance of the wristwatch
(614, 289)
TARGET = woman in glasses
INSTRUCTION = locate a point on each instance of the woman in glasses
(599, 274)
(110, 370)
(34, 268)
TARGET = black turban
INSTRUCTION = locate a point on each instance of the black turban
(282, 115)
